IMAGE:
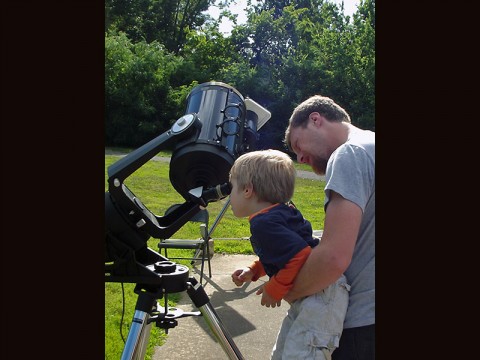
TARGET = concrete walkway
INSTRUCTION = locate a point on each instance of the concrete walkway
(252, 327)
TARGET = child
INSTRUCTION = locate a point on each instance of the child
(262, 186)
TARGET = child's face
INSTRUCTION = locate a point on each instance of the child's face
(238, 200)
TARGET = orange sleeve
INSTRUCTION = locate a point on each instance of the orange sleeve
(281, 282)
(257, 269)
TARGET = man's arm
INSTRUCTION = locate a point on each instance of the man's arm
(333, 255)
(282, 281)
(279, 284)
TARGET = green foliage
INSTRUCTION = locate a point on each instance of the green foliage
(157, 50)
(136, 90)
(164, 21)
(206, 53)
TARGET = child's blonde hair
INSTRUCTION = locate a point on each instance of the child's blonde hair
(271, 172)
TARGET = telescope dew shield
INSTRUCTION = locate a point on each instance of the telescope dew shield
(206, 160)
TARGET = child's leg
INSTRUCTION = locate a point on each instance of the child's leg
(283, 332)
(315, 333)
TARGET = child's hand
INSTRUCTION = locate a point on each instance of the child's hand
(240, 276)
(267, 300)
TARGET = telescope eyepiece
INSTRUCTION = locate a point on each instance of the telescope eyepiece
(216, 193)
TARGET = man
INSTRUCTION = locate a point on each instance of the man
(320, 133)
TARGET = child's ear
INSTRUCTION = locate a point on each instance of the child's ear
(248, 191)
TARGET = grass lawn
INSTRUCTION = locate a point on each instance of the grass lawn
(151, 184)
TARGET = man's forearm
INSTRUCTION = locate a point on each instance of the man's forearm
(329, 259)
(316, 274)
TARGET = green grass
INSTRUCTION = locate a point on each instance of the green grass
(151, 184)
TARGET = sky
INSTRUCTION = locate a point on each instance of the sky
(350, 6)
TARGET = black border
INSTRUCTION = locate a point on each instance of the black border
(53, 171)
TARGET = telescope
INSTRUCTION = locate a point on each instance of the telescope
(218, 126)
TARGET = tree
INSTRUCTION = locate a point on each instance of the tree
(137, 85)
(157, 50)
(301, 48)
(164, 21)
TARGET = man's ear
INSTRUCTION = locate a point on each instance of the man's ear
(316, 118)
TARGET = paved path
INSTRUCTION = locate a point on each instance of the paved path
(252, 327)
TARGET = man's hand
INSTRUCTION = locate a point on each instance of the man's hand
(267, 300)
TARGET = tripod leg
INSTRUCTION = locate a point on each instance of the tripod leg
(138, 336)
(220, 332)
(218, 218)
(200, 299)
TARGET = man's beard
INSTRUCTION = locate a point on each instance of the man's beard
(319, 165)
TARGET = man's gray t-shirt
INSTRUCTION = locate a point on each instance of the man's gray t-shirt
(351, 173)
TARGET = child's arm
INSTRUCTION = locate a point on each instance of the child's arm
(279, 284)
(250, 273)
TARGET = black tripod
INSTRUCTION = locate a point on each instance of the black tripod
(129, 224)
(168, 277)
(218, 126)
